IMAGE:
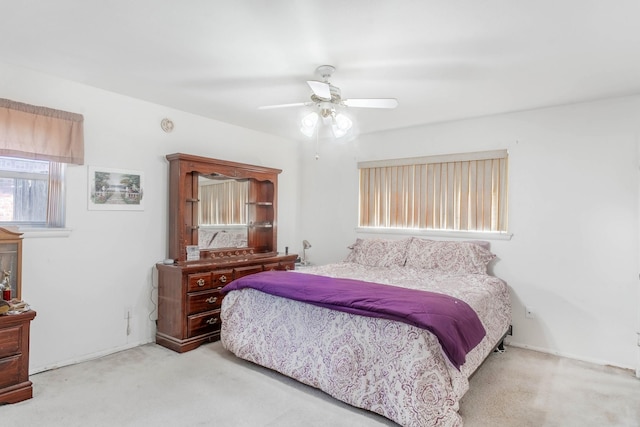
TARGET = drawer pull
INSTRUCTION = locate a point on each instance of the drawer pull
(212, 321)
(287, 267)
(200, 282)
(223, 278)
(212, 300)
(218, 288)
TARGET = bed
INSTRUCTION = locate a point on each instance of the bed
(397, 369)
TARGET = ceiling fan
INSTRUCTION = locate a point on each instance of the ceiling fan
(328, 99)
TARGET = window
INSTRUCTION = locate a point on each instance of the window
(31, 192)
(36, 142)
(460, 192)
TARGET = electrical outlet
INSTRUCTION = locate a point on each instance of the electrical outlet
(528, 313)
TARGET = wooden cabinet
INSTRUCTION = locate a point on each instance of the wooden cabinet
(11, 261)
(189, 297)
(14, 357)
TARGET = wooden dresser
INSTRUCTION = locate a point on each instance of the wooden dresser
(189, 297)
(14, 357)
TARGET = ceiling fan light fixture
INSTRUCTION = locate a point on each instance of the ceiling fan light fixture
(308, 124)
(343, 122)
(327, 98)
(341, 125)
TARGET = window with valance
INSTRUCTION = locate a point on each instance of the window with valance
(35, 145)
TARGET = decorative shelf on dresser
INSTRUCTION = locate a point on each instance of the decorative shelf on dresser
(189, 297)
(14, 357)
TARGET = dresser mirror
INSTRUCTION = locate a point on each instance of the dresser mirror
(225, 209)
(222, 212)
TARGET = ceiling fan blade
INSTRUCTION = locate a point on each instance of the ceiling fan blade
(320, 89)
(295, 104)
(371, 102)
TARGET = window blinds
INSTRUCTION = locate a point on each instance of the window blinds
(463, 192)
(224, 203)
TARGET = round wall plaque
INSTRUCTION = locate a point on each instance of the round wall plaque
(166, 125)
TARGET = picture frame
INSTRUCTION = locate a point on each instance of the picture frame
(115, 189)
(193, 253)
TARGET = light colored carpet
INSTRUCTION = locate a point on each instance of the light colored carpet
(528, 388)
(150, 386)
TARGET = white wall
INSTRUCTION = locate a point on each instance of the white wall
(573, 200)
(80, 285)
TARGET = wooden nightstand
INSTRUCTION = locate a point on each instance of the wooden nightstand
(14, 357)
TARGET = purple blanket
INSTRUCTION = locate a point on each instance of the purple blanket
(451, 320)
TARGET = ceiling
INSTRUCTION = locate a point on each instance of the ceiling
(443, 60)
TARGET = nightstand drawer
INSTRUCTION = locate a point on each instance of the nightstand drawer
(10, 371)
(203, 323)
(198, 302)
(10, 342)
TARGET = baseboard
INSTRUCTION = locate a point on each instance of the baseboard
(86, 357)
(570, 356)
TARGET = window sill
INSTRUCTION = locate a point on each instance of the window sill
(479, 235)
(35, 232)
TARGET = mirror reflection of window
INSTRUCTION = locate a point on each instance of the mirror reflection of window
(222, 217)
(223, 202)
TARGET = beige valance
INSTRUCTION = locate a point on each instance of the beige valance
(41, 133)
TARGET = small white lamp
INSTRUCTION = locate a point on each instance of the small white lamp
(305, 245)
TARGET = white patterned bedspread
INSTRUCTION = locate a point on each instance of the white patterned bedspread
(388, 367)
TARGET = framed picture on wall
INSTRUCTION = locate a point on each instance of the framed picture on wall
(115, 189)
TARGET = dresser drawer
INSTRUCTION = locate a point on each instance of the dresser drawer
(10, 341)
(245, 271)
(203, 301)
(199, 281)
(204, 281)
(280, 266)
(288, 265)
(272, 266)
(219, 278)
(10, 371)
(203, 323)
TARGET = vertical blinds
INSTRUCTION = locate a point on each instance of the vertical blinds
(224, 203)
(465, 192)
